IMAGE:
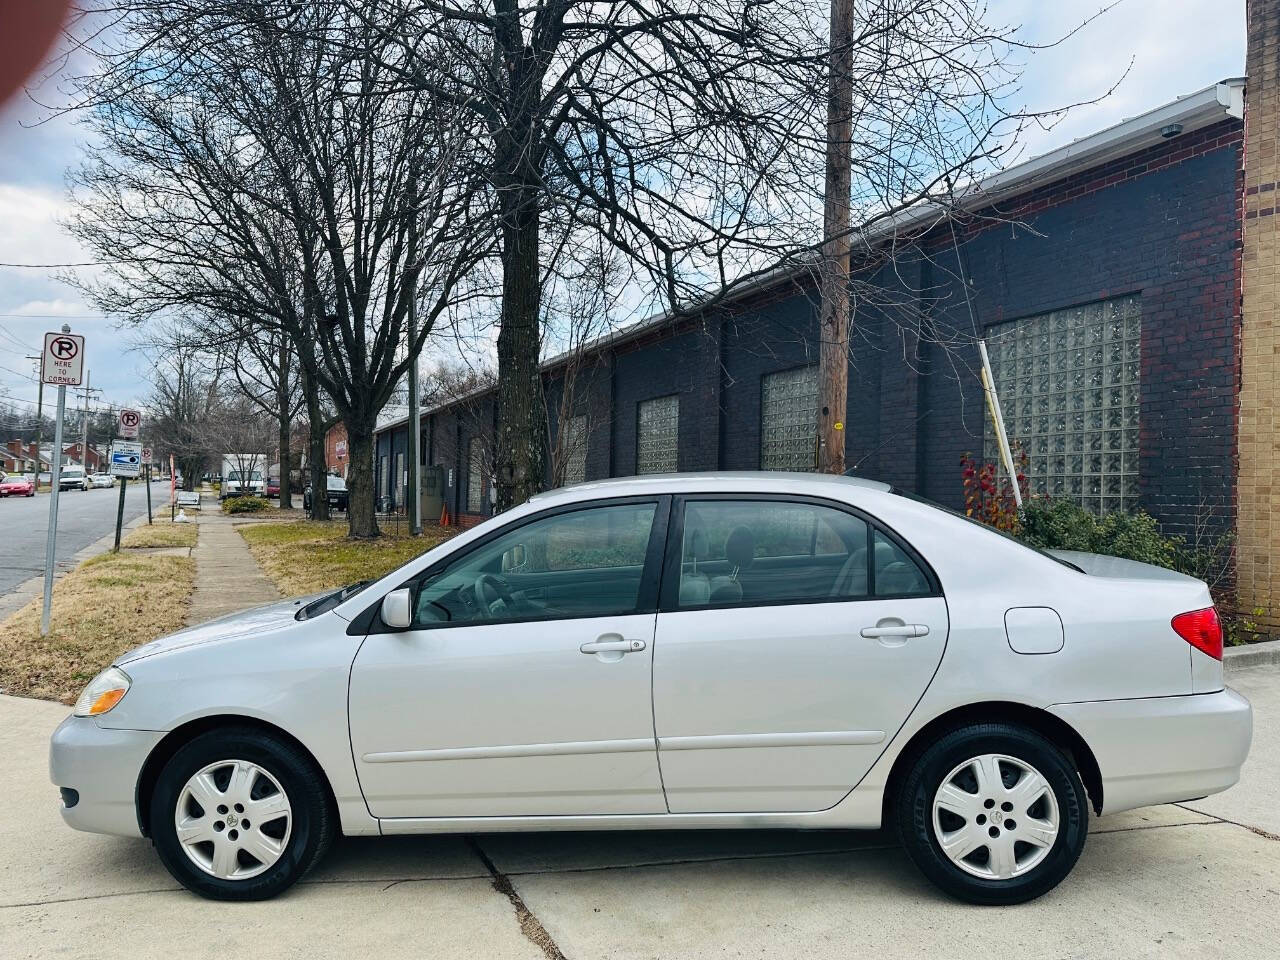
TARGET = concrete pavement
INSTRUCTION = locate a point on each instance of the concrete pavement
(1199, 880)
(227, 577)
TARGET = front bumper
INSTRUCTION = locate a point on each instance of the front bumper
(1164, 749)
(102, 767)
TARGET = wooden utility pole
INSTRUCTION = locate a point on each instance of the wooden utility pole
(833, 321)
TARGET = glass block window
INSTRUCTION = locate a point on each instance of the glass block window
(788, 419)
(657, 432)
(475, 475)
(574, 449)
(1068, 387)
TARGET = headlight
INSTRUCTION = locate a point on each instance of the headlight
(104, 692)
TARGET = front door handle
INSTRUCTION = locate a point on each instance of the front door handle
(612, 646)
(901, 631)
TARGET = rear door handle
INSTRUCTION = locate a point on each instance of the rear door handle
(901, 631)
(612, 646)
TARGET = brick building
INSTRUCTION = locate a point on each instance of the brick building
(1120, 283)
(336, 457)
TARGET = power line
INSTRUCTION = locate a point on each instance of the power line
(55, 266)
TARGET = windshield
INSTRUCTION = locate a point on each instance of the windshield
(331, 600)
(1008, 536)
(254, 475)
(337, 483)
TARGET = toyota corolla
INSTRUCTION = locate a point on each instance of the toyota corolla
(702, 651)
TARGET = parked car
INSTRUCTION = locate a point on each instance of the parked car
(273, 486)
(18, 485)
(337, 493)
(705, 651)
(73, 478)
(102, 480)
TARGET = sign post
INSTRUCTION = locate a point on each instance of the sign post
(126, 462)
(61, 363)
(146, 462)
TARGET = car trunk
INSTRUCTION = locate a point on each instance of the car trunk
(1166, 594)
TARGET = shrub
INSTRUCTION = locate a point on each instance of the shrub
(244, 504)
(1064, 525)
(988, 496)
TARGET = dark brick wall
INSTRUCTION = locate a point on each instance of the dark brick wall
(1163, 223)
(1171, 236)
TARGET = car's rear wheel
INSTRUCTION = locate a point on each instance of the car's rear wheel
(993, 813)
(240, 814)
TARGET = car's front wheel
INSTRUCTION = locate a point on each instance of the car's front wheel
(993, 813)
(240, 814)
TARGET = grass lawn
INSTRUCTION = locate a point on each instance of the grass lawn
(104, 607)
(309, 556)
(161, 533)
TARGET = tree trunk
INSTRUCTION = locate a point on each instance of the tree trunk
(833, 323)
(521, 449)
(361, 518)
(316, 430)
(286, 488)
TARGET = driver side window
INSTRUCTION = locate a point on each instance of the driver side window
(585, 563)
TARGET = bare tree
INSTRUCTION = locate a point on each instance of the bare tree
(692, 134)
(185, 389)
(585, 282)
(264, 141)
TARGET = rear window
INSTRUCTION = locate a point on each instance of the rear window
(906, 494)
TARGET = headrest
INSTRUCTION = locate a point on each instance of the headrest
(740, 548)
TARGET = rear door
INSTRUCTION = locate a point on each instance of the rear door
(794, 638)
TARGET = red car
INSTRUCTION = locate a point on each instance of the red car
(273, 487)
(17, 487)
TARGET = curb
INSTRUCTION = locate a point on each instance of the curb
(1250, 655)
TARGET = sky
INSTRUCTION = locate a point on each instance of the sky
(1155, 50)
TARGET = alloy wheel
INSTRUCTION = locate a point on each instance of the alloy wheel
(233, 819)
(995, 817)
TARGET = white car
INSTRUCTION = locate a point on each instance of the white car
(73, 478)
(102, 480)
(703, 651)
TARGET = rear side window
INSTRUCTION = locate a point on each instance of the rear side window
(895, 573)
(737, 552)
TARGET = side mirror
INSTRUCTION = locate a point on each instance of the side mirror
(397, 609)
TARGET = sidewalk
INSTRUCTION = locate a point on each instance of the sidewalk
(228, 579)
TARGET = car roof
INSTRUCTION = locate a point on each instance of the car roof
(742, 481)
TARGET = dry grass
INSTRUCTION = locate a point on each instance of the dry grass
(161, 533)
(309, 556)
(104, 607)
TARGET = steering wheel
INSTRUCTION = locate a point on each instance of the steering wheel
(488, 590)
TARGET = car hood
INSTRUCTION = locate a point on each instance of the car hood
(256, 620)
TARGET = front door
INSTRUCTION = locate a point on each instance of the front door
(795, 638)
(524, 686)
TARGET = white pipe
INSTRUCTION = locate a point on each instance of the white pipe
(1002, 438)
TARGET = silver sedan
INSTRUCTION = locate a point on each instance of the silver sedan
(703, 651)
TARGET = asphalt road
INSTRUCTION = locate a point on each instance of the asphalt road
(83, 517)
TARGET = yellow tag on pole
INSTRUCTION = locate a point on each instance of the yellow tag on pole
(839, 425)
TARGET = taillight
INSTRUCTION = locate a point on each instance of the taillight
(1202, 630)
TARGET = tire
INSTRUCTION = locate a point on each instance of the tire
(1003, 865)
(249, 769)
